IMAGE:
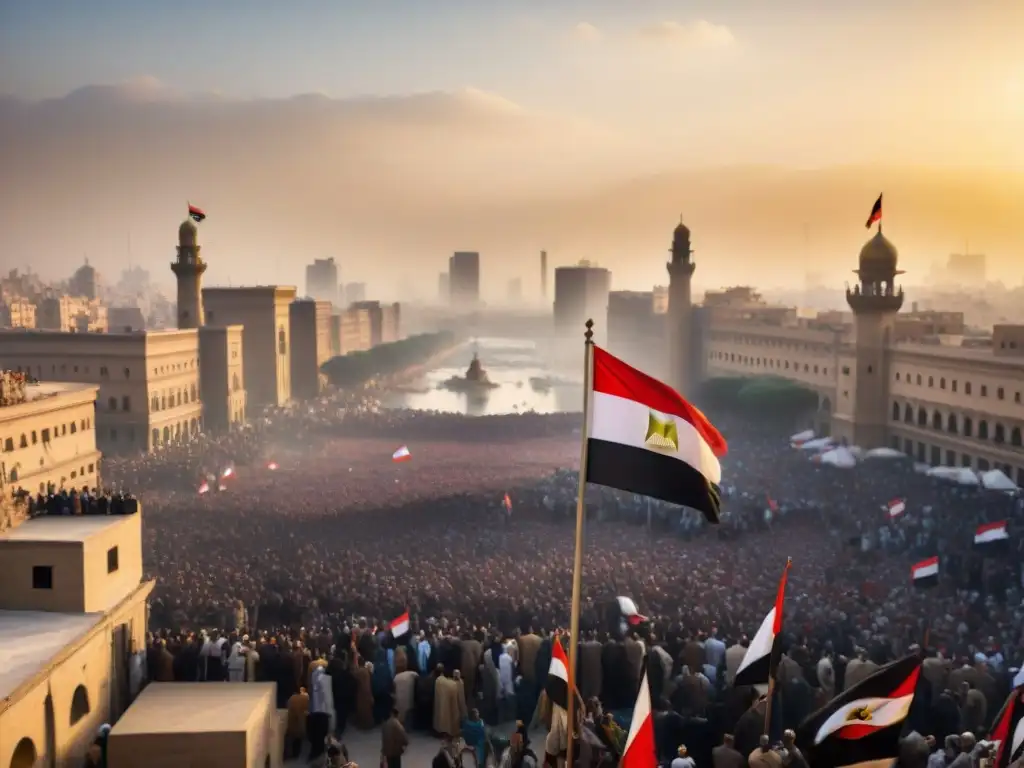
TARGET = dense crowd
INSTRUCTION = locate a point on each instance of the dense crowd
(310, 524)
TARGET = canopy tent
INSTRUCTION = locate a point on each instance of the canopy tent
(839, 457)
(959, 475)
(802, 437)
(821, 444)
(884, 453)
(996, 480)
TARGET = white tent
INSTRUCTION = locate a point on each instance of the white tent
(884, 453)
(960, 475)
(802, 437)
(821, 444)
(839, 457)
(996, 480)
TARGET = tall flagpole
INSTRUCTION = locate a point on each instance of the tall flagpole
(577, 565)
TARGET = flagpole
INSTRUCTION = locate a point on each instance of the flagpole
(881, 212)
(577, 565)
(773, 661)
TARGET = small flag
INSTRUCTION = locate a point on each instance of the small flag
(991, 534)
(272, 466)
(876, 213)
(925, 573)
(400, 626)
(402, 454)
(222, 487)
(756, 666)
(773, 505)
(507, 501)
(1007, 734)
(896, 507)
(197, 213)
(640, 751)
(204, 488)
(628, 611)
(557, 684)
(227, 472)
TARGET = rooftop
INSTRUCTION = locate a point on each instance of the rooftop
(72, 529)
(29, 640)
(182, 708)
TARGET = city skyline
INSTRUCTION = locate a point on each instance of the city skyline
(398, 135)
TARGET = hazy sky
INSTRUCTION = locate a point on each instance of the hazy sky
(629, 88)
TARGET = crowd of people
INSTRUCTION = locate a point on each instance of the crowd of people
(312, 537)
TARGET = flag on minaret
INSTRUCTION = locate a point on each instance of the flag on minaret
(876, 213)
(197, 213)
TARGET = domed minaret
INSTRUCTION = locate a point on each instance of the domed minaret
(680, 310)
(875, 301)
(189, 268)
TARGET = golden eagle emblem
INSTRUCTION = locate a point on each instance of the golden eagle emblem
(662, 433)
(860, 715)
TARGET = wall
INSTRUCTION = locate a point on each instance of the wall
(17, 558)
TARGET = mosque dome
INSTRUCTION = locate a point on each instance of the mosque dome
(187, 233)
(879, 256)
(681, 236)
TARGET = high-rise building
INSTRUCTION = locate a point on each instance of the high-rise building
(354, 292)
(322, 280)
(581, 293)
(464, 278)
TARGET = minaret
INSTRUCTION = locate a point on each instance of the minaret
(875, 301)
(680, 310)
(189, 268)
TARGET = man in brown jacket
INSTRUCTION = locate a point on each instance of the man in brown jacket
(393, 740)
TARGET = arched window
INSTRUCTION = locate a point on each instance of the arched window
(179, 397)
(895, 411)
(167, 434)
(235, 383)
(1015, 437)
(282, 342)
(156, 436)
(79, 704)
(193, 427)
(968, 428)
(163, 402)
(983, 430)
(999, 434)
(908, 414)
(23, 443)
(112, 404)
(922, 417)
(195, 395)
(24, 754)
(951, 423)
(154, 404)
(937, 420)
(127, 373)
(9, 443)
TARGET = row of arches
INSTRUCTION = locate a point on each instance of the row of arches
(174, 398)
(26, 754)
(175, 432)
(957, 424)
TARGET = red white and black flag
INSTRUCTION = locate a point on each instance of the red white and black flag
(991, 535)
(896, 508)
(876, 212)
(644, 438)
(862, 727)
(557, 684)
(640, 750)
(758, 665)
(197, 213)
(1008, 731)
(925, 573)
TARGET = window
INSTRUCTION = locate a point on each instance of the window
(999, 433)
(282, 342)
(908, 414)
(104, 372)
(126, 403)
(919, 379)
(968, 428)
(79, 704)
(922, 418)
(967, 387)
(42, 577)
(9, 444)
(953, 387)
(92, 468)
(895, 411)
(23, 443)
(35, 437)
(127, 373)
(1000, 394)
(1015, 437)
(937, 421)
(46, 435)
(984, 390)
(846, 370)
(951, 425)
(870, 369)
(942, 383)
(983, 430)
(74, 427)
(931, 381)
(112, 560)
(112, 404)
(897, 379)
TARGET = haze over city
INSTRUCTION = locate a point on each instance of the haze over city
(388, 136)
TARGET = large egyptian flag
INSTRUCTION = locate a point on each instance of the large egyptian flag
(862, 727)
(643, 437)
(758, 665)
(557, 684)
(1008, 731)
(640, 751)
(991, 536)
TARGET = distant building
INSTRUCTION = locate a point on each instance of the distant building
(126, 319)
(322, 280)
(85, 282)
(464, 279)
(311, 345)
(514, 292)
(581, 293)
(354, 292)
(385, 321)
(636, 330)
(967, 269)
(264, 313)
(71, 314)
(221, 361)
(17, 312)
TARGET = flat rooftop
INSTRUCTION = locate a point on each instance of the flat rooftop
(50, 388)
(70, 529)
(29, 640)
(183, 708)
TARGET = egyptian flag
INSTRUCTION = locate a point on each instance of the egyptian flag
(204, 488)
(876, 213)
(402, 454)
(758, 665)
(862, 726)
(991, 536)
(1008, 731)
(557, 685)
(400, 626)
(925, 573)
(507, 503)
(197, 213)
(640, 751)
(896, 507)
(644, 438)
